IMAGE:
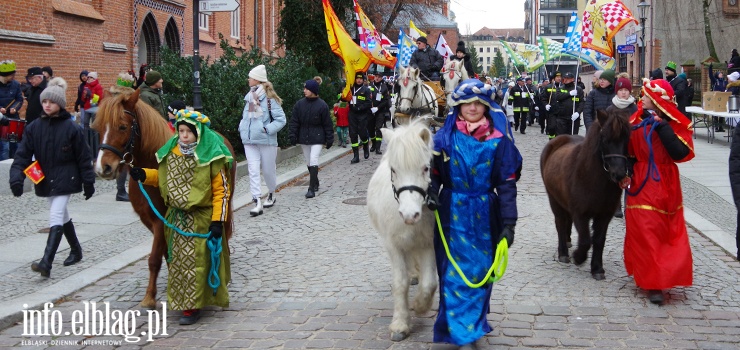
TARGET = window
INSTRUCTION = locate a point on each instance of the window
(622, 62)
(558, 4)
(481, 50)
(488, 49)
(480, 59)
(488, 59)
(495, 49)
(554, 24)
(203, 21)
(235, 21)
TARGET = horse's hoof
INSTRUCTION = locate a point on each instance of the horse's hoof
(148, 304)
(414, 281)
(598, 276)
(564, 259)
(398, 336)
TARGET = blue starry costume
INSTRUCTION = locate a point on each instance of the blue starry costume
(477, 198)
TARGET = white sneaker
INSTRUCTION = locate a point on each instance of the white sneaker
(270, 201)
(257, 210)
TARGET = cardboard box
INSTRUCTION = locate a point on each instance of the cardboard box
(719, 104)
(707, 98)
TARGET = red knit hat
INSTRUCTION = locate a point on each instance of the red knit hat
(623, 83)
(663, 97)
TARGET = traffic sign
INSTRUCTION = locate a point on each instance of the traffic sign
(631, 39)
(218, 5)
(626, 49)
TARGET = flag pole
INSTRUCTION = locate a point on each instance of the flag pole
(575, 83)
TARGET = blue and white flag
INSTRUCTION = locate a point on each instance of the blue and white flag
(573, 38)
(572, 46)
(406, 48)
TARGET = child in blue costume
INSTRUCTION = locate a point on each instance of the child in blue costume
(475, 169)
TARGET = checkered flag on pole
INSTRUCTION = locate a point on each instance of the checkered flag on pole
(406, 48)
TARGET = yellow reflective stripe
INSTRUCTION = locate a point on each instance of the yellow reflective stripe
(360, 97)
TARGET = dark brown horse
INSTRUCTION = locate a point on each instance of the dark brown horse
(131, 132)
(582, 177)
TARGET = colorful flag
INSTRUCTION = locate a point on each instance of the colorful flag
(341, 43)
(370, 39)
(551, 49)
(384, 41)
(572, 46)
(406, 48)
(602, 19)
(573, 39)
(414, 32)
(443, 48)
(526, 55)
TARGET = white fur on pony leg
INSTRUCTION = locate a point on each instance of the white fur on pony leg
(427, 282)
(400, 290)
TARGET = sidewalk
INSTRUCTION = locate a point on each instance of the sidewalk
(111, 235)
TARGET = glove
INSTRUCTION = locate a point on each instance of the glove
(137, 174)
(574, 116)
(573, 92)
(89, 189)
(17, 189)
(537, 108)
(508, 233)
(432, 199)
(547, 107)
(374, 109)
(216, 229)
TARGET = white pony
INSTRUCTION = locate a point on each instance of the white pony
(414, 98)
(396, 200)
(453, 73)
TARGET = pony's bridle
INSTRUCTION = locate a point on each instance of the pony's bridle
(426, 106)
(128, 149)
(410, 188)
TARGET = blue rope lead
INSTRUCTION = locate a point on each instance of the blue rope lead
(214, 244)
(648, 126)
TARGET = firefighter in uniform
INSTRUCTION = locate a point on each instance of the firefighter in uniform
(521, 102)
(571, 99)
(532, 91)
(359, 113)
(381, 99)
(550, 101)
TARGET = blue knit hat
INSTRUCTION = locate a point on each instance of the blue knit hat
(471, 90)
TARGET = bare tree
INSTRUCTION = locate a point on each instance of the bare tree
(708, 30)
(383, 13)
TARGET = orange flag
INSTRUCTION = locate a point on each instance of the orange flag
(602, 19)
(34, 172)
(371, 40)
(341, 43)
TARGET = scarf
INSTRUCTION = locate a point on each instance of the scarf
(256, 93)
(622, 104)
(187, 149)
(480, 130)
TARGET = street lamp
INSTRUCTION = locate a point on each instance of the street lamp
(642, 8)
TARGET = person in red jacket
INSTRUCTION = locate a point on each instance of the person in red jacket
(91, 96)
(656, 246)
(341, 113)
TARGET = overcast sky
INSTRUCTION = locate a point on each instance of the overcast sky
(487, 13)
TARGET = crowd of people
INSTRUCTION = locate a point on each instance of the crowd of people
(477, 133)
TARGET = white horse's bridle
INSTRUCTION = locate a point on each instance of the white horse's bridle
(426, 104)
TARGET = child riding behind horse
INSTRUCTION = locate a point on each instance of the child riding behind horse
(193, 178)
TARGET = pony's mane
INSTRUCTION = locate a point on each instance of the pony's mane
(407, 150)
(616, 124)
(153, 128)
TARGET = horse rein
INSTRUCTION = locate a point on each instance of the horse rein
(129, 147)
(426, 105)
(410, 188)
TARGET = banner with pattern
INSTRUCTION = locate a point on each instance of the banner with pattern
(602, 19)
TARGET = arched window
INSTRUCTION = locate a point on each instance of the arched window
(149, 41)
(171, 36)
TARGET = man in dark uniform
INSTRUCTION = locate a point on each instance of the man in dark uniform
(381, 98)
(570, 98)
(427, 59)
(521, 103)
(532, 91)
(36, 79)
(359, 112)
(539, 107)
(549, 100)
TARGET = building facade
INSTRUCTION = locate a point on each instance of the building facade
(113, 36)
(486, 42)
(551, 21)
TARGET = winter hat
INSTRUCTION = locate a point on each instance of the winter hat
(84, 72)
(663, 97)
(56, 92)
(733, 77)
(34, 71)
(93, 75)
(7, 68)
(312, 85)
(608, 75)
(461, 48)
(191, 126)
(152, 77)
(623, 83)
(422, 39)
(656, 74)
(360, 75)
(259, 73)
(175, 106)
(48, 69)
(671, 66)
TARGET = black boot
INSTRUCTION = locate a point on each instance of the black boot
(122, 196)
(372, 148)
(313, 184)
(356, 158)
(52, 244)
(377, 147)
(75, 250)
(366, 150)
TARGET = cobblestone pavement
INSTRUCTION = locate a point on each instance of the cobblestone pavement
(312, 274)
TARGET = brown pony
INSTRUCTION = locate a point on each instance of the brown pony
(579, 191)
(131, 132)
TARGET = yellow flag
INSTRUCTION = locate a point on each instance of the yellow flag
(414, 32)
(602, 19)
(370, 39)
(341, 43)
